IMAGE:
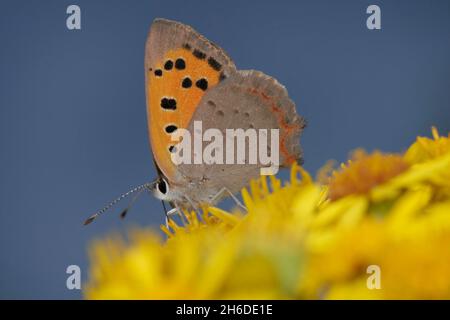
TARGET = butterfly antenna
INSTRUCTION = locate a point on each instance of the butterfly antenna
(133, 200)
(115, 201)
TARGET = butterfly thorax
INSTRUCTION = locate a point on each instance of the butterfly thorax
(185, 195)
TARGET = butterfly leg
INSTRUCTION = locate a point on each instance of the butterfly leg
(193, 205)
(174, 211)
(225, 190)
(169, 213)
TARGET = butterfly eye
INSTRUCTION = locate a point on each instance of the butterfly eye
(163, 187)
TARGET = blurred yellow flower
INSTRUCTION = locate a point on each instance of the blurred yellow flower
(364, 172)
(384, 212)
(425, 149)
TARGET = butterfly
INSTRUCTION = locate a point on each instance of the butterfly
(189, 79)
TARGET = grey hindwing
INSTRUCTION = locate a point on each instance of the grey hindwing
(247, 99)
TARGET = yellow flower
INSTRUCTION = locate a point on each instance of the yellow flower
(148, 268)
(429, 164)
(382, 177)
(425, 149)
(364, 172)
(411, 252)
(221, 256)
(301, 239)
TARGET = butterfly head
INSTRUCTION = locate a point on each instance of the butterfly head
(161, 189)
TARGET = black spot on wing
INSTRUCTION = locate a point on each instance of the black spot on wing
(168, 104)
(170, 128)
(168, 65)
(180, 64)
(158, 72)
(214, 64)
(187, 83)
(202, 84)
(199, 54)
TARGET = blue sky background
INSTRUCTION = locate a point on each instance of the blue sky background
(72, 110)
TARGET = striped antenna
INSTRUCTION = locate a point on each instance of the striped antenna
(115, 201)
(133, 200)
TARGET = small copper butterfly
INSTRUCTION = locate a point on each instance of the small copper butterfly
(187, 79)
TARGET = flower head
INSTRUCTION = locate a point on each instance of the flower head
(425, 149)
(364, 172)
(300, 239)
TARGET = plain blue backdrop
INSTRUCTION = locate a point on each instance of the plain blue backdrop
(73, 129)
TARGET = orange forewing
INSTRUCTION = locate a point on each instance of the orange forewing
(169, 85)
